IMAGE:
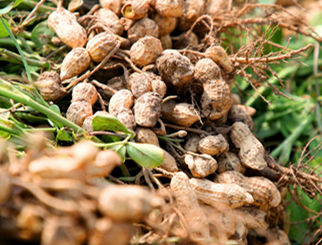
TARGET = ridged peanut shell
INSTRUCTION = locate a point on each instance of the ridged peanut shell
(127, 118)
(109, 19)
(142, 28)
(187, 203)
(125, 203)
(166, 42)
(239, 113)
(145, 51)
(159, 87)
(78, 111)
(75, 62)
(262, 189)
(216, 99)
(84, 92)
(147, 109)
(230, 162)
(65, 25)
(169, 162)
(166, 24)
(252, 217)
(175, 68)
(121, 99)
(100, 45)
(192, 143)
(193, 9)
(140, 84)
(179, 113)
(206, 69)
(251, 151)
(213, 145)
(201, 165)
(219, 55)
(88, 122)
(169, 8)
(114, 5)
(216, 195)
(49, 86)
(146, 135)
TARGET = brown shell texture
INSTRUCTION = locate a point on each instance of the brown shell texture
(251, 151)
(140, 84)
(110, 20)
(75, 62)
(213, 145)
(100, 45)
(49, 86)
(216, 99)
(145, 51)
(147, 109)
(206, 69)
(174, 68)
(170, 8)
(121, 99)
(142, 28)
(201, 165)
(84, 92)
(67, 28)
(78, 111)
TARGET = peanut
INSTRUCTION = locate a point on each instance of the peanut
(84, 92)
(206, 69)
(121, 99)
(65, 25)
(225, 195)
(142, 28)
(201, 165)
(49, 86)
(213, 145)
(188, 204)
(192, 143)
(166, 24)
(239, 113)
(127, 118)
(147, 109)
(146, 135)
(170, 8)
(78, 111)
(174, 68)
(145, 51)
(230, 161)
(263, 190)
(181, 114)
(220, 56)
(216, 99)
(108, 19)
(135, 10)
(251, 151)
(75, 62)
(114, 5)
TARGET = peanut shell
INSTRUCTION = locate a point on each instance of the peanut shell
(188, 204)
(110, 20)
(145, 51)
(213, 145)
(251, 151)
(127, 118)
(146, 135)
(65, 24)
(78, 111)
(75, 62)
(114, 5)
(140, 84)
(181, 114)
(101, 45)
(159, 87)
(192, 143)
(220, 56)
(49, 86)
(121, 99)
(166, 42)
(216, 195)
(174, 68)
(169, 8)
(135, 10)
(5, 186)
(142, 28)
(201, 165)
(230, 162)
(216, 99)
(206, 69)
(238, 113)
(192, 10)
(125, 203)
(147, 109)
(84, 92)
(166, 24)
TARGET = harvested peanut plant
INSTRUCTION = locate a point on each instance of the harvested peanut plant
(125, 126)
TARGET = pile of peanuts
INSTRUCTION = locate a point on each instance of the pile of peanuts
(176, 81)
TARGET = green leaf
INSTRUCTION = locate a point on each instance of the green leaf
(74, 4)
(105, 122)
(17, 2)
(62, 135)
(3, 30)
(120, 149)
(42, 34)
(146, 155)
(6, 9)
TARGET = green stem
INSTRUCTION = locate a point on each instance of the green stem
(9, 42)
(19, 49)
(9, 55)
(40, 129)
(8, 91)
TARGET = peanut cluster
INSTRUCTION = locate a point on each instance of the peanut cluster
(175, 76)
